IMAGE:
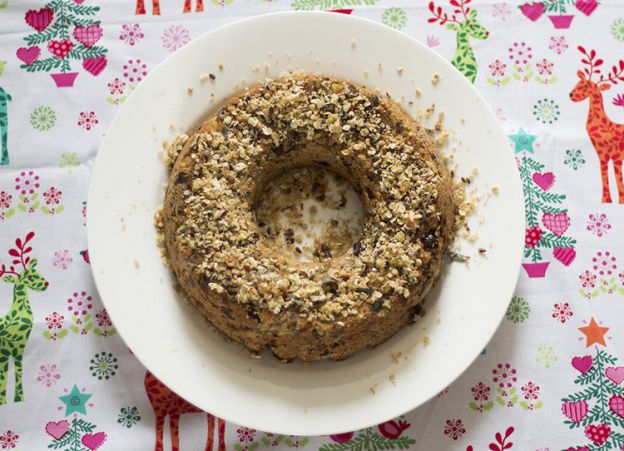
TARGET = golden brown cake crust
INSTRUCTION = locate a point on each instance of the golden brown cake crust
(314, 310)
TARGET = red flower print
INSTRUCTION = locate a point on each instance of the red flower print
(544, 67)
(504, 375)
(245, 434)
(88, 120)
(102, 318)
(52, 196)
(480, 392)
(134, 71)
(5, 199)
(454, 428)
(604, 263)
(80, 304)
(588, 279)
(498, 68)
(9, 440)
(520, 53)
(562, 312)
(27, 182)
(116, 86)
(530, 390)
(55, 320)
(131, 33)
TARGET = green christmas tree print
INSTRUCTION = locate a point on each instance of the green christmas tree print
(598, 407)
(69, 32)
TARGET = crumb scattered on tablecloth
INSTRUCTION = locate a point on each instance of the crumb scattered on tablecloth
(136, 263)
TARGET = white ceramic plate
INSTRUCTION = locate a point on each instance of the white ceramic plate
(175, 344)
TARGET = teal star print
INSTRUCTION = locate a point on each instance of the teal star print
(523, 141)
(75, 401)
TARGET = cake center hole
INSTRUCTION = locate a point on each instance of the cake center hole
(310, 214)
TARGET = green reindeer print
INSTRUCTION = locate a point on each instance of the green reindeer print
(4, 125)
(15, 326)
(464, 23)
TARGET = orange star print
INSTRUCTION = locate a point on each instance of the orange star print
(594, 333)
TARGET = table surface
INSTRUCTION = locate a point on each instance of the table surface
(550, 379)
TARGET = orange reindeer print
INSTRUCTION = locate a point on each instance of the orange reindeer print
(606, 135)
(167, 403)
(140, 7)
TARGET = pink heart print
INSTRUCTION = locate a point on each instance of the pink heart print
(93, 441)
(94, 65)
(545, 180)
(557, 224)
(565, 255)
(57, 429)
(39, 19)
(586, 6)
(616, 404)
(615, 374)
(583, 364)
(89, 35)
(575, 411)
(28, 54)
(532, 10)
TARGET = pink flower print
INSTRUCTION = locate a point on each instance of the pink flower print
(131, 33)
(454, 428)
(80, 304)
(102, 318)
(245, 434)
(501, 11)
(432, 41)
(500, 115)
(5, 199)
(88, 120)
(444, 391)
(273, 439)
(9, 440)
(598, 224)
(558, 44)
(52, 196)
(480, 392)
(62, 259)
(26, 183)
(604, 263)
(175, 37)
(504, 375)
(498, 68)
(520, 53)
(621, 277)
(116, 86)
(544, 67)
(530, 390)
(134, 71)
(562, 312)
(55, 321)
(588, 279)
(618, 100)
(48, 375)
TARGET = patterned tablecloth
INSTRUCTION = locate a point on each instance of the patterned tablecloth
(553, 376)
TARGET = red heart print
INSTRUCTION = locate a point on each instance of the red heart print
(61, 48)
(89, 35)
(532, 10)
(57, 429)
(586, 6)
(583, 364)
(545, 180)
(557, 224)
(28, 54)
(79, 2)
(93, 441)
(616, 404)
(94, 65)
(615, 374)
(575, 411)
(532, 235)
(597, 433)
(565, 255)
(39, 19)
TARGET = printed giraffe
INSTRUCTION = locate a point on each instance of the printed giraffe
(140, 7)
(15, 326)
(165, 402)
(464, 23)
(4, 125)
(606, 135)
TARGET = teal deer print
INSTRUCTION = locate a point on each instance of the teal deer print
(464, 23)
(4, 125)
(15, 326)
